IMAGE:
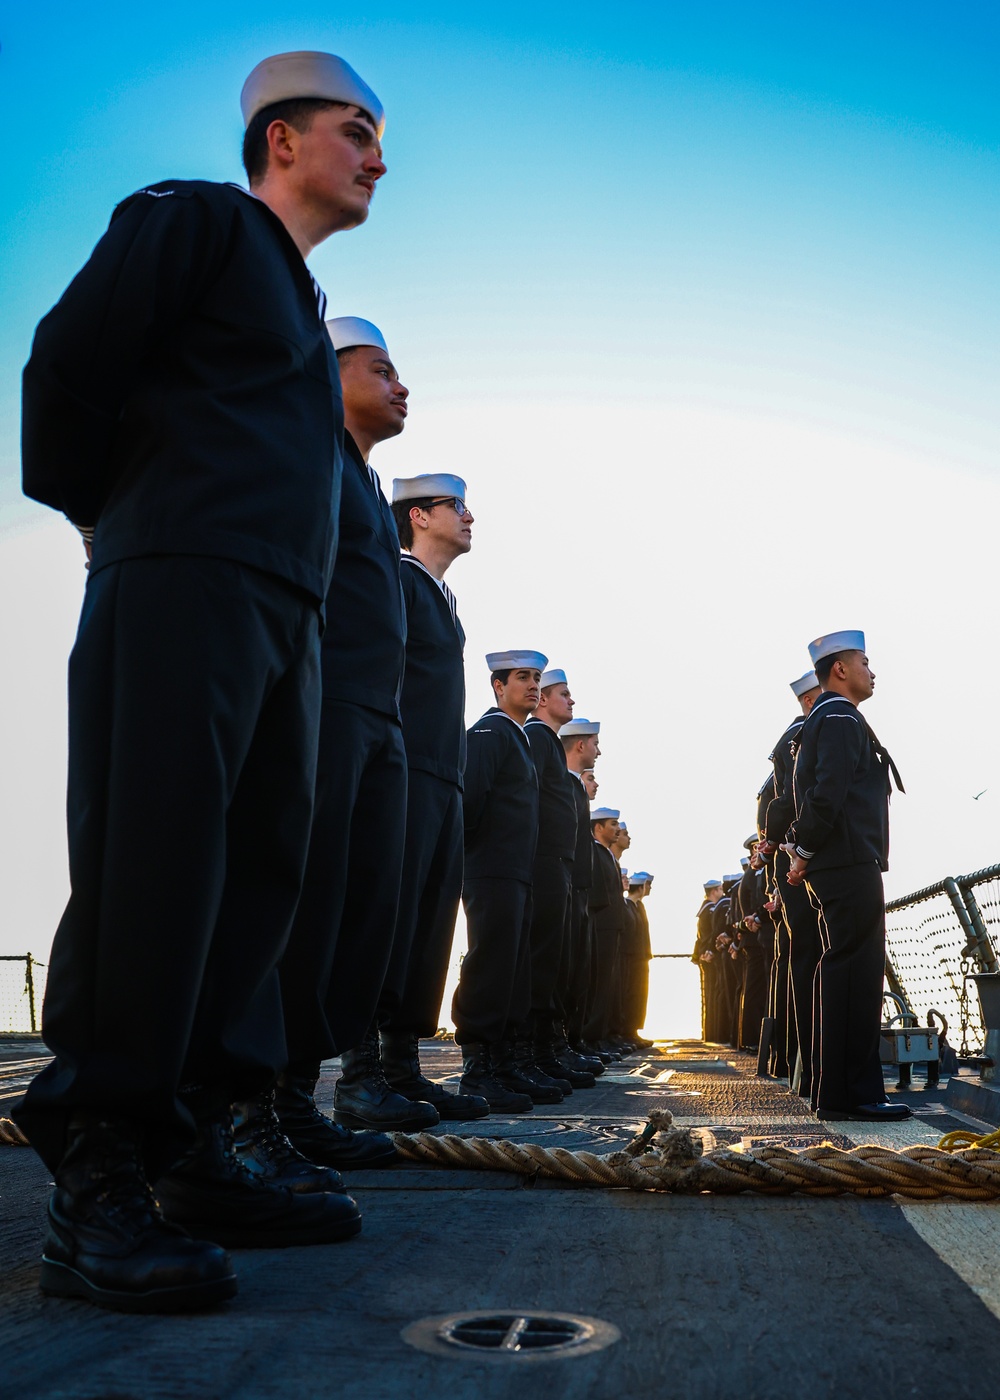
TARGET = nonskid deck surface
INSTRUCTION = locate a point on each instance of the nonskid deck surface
(713, 1296)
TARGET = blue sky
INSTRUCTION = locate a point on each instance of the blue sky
(701, 300)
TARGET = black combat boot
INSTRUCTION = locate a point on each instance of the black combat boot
(211, 1193)
(318, 1137)
(572, 1055)
(401, 1063)
(508, 1059)
(107, 1241)
(556, 1067)
(363, 1098)
(263, 1148)
(527, 1064)
(478, 1080)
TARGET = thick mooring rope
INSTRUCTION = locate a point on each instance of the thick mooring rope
(665, 1158)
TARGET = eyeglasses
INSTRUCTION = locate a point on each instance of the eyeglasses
(456, 503)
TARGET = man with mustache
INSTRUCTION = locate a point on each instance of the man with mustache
(341, 942)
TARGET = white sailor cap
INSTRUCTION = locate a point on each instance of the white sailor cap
(623, 826)
(744, 861)
(834, 642)
(308, 74)
(516, 660)
(637, 878)
(804, 684)
(712, 885)
(348, 331)
(751, 840)
(733, 879)
(604, 814)
(554, 677)
(579, 728)
(426, 486)
(641, 875)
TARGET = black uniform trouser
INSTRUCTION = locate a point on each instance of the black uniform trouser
(602, 1006)
(783, 1043)
(847, 1070)
(551, 893)
(341, 941)
(638, 993)
(805, 947)
(193, 716)
(430, 893)
(493, 995)
(753, 1007)
(573, 983)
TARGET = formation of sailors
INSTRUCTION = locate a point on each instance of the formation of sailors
(274, 806)
(794, 946)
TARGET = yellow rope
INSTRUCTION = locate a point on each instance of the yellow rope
(962, 1138)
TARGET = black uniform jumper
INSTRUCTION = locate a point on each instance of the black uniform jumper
(573, 987)
(608, 914)
(842, 785)
(337, 956)
(183, 397)
(552, 875)
(433, 712)
(493, 995)
(800, 918)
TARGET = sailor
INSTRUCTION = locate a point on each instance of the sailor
(839, 848)
(199, 447)
(581, 745)
(704, 954)
(493, 996)
(754, 922)
(801, 924)
(551, 889)
(435, 529)
(608, 922)
(335, 963)
(726, 1014)
(639, 885)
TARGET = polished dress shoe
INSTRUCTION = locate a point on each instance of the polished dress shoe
(363, 1097)
(401, 1064)
(866, 1113)
(264, 1150)
(107, 1241)
(318, 1137)
(478, 1079)
(213, 1195)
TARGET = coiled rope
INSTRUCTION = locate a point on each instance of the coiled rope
(664, 1158)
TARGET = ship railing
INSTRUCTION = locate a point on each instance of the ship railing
(937, 938)
(22, 987)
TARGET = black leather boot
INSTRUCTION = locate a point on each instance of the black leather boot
(556, 1067)
(508, 1059)
(478, 1079)
(527, 1064)
(107, 1240)
(363, 1098)
(318, 1137)
(263, 1148)
(211, 1193)
(401, 1064)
